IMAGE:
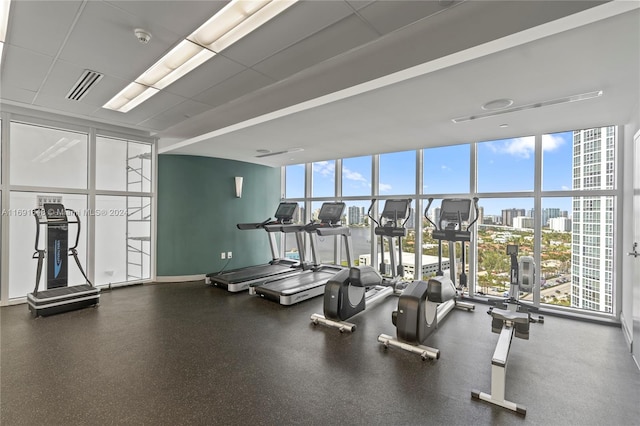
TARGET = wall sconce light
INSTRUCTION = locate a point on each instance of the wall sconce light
(239, 180)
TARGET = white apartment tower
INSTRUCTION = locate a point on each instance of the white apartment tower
(592, 246)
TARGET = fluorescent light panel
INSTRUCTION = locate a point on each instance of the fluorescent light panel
(4, 18)
(234, 21)
(565, 100)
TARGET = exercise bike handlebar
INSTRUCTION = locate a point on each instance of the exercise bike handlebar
(373, 202)
(426, 210)
(477, 212)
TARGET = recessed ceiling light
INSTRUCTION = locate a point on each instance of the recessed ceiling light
(497, 104)
(504, 126)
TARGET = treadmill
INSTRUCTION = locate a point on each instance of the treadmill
(240, 279)
(310, 283)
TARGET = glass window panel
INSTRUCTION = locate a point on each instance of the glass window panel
(430, 245)
(291, 250)
(123, 165)
(42, 156)
(111, 164)
(446, 170)
(398, 173)
(556, 247)
(22, 266)
(139, 167)
(502, 221)
(138, 237)
(360, 227)
(111, 240)
(356, 176)
(325, 246)
(323, 179)
(557, 160)
(506, 165)
(588, 275)
(294, 181)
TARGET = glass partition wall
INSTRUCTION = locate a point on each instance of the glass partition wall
(108, 179)
(555, 195)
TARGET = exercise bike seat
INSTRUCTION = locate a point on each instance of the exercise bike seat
(506, 315)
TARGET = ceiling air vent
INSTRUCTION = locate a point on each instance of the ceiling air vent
(86, 81)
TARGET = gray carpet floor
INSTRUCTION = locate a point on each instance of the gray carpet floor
(187, 353)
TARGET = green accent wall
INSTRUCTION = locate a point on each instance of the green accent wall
(198, 212)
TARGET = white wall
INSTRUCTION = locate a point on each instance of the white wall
(627, 223)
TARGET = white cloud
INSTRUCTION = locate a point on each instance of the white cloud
(551, 142)
(445, 167)
(565, 187)
(520, 147)
(384, 187)
(324, 168)
(351, 175)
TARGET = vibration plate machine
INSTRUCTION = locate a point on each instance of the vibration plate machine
(423, 304)
(59, 296)
(352, 290)
(240, 279)
(310, 283)
(510, 318)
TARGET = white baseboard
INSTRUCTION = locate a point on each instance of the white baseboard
(180, 278)
(628, 336)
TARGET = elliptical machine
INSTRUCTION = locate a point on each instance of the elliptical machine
(423, 304)
(350, 291)
(510, 318)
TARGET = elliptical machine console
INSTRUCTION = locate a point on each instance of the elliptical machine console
(350, 291)
(423, 304)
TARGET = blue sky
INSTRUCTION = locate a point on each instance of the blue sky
(503, 166)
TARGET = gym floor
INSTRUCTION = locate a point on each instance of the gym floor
(187, 353)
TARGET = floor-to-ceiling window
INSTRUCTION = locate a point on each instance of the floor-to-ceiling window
(106, 180)
(554, 195)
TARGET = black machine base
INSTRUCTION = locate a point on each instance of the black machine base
(63, 299)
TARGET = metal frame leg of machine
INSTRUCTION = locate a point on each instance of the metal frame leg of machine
(499, 374)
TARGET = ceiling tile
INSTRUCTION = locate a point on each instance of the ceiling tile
(387, 16)
(16, 94)
(334, 40)
(180, 17)
(24, 69)
(103, 41)
(176, 114)
(41, 26)
(286, 29)
(233, 88)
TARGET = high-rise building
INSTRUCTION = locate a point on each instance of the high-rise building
(480, 214)
(560, 224)
(355, 215)
(523, 222)
(509, 214)
(592, 217)
(549, 213)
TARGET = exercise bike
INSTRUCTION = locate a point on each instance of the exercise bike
(510, 318)
(424, 304)
(350, 291)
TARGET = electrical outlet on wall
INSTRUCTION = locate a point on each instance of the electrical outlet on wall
(222, 255)
(229, 254)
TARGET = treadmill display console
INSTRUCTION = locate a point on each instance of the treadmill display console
(285, 211)
(331, 212)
